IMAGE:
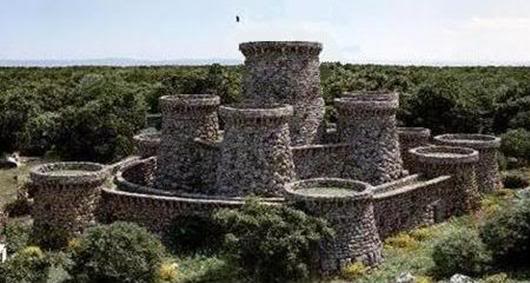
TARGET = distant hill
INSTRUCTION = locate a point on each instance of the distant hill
(115, 62)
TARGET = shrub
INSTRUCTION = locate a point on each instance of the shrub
(17, 235)
(120, 252)
(273, 244)
(167, 272)
(507, 233)
(50, 236)
(514, 179)
(353, 271)
(402, 241)
(28, 265)
(422, 234)
(516, 143)
(460, 251)
(194, 232)
(496, 278)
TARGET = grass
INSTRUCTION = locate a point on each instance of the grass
(10, 179)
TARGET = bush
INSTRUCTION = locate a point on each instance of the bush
(50, 236)
(461, 251)
(402, 241)
(120, 252)
(353, 271)
(28, 265)
(507, 233)
(515, 179)
(516, 143)
(194, 232)
(17, 235)
(273, 244)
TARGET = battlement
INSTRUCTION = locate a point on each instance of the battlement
(188, 102)
(373, 102)
(260, 47)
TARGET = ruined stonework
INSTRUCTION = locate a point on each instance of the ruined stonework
(255, 152)
(411, 137)
(368, 123)
(185, 118)
(66, 196)
(147, 144)
(347, 205)
(277, 72)
(460, 195)
(488, 176)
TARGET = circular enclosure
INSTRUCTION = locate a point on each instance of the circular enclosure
(376, 100)
(147, 143)
(414, 131)
(329, 188)
(69, 173)
(444, 154)
(477, 141)
(250, 111)
(190, 99)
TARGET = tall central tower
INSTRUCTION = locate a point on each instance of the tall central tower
(286, 72)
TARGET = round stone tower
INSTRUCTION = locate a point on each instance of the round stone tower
(348, 207)
(409, 138)
(488, 176)
(286, 72)
(460, 195)
(255, 153)
(367, 121)
(66, 196)
(184, 118)
(147, 144)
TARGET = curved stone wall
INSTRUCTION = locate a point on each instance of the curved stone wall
(367, 121)
(66, 196)
(147, 144)
(319, 160)
(185, 118)
(488, 175)
(411, 137)
(286, 72)
(347, 205)
(460, 195)
(255, 152)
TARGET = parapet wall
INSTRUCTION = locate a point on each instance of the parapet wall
(367, 121)
(488, 175)
(185, 118)
(406, 203)
(277, 72)
(256, 158)
(322, 160)
(147, 144)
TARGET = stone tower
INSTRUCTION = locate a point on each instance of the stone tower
(185, 118)
(286, 72)
(255, 153)
(367, 122)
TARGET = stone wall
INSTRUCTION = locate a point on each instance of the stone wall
(406, 203)
(350, 213)
(460, 195)
(488, 175)
(255, 152)
(66, 197)
(323, 160)
(368, 122)
(409, 138)
(287, 72)
(185, 118)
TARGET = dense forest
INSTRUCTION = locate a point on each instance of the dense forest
(91, 113)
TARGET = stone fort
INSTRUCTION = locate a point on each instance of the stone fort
(365, 175)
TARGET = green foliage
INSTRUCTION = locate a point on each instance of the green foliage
(515, 179)
(461, 251)
(516, 143)
(194, 232)
(120, 252)
(30, 265)
(17, 234)
(507, 234)
(273, 244)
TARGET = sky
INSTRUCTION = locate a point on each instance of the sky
(357, 31)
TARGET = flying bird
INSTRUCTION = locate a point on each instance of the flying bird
(237, 19)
